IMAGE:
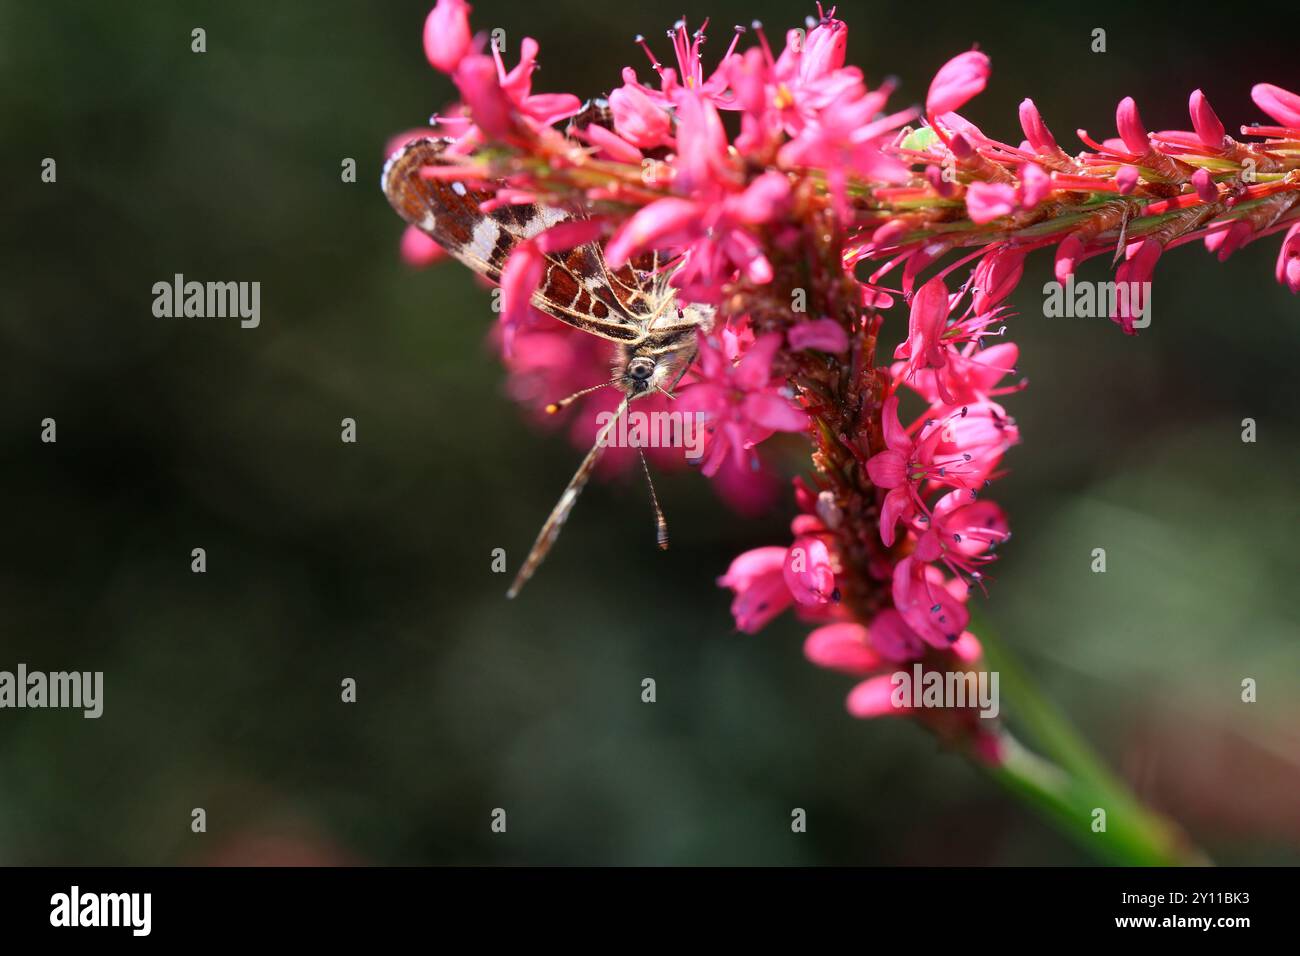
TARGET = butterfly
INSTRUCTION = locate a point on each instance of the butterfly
(633, 306)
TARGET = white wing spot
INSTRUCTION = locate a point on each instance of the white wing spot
(484, 239)
(547, 216)
(459, 189)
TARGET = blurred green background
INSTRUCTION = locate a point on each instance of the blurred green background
(371, 560)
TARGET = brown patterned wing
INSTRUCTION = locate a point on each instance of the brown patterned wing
(575, 289)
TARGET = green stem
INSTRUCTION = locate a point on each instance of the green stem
(1071, 790)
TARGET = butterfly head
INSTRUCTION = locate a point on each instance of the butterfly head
(654, 365)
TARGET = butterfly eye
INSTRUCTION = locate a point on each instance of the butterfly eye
(641, 369)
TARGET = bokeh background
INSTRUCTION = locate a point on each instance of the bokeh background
(371, 560)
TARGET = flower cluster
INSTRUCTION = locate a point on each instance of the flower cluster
(779, 189)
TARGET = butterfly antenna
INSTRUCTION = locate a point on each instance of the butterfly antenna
(563, 403)
(560, 513)
(661, 525)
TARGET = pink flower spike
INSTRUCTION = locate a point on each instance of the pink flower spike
(842, 647)
(1205, 187)
(987, 201)
(1282, 105)
(418, 250)
(446, 34)
(1130, 127)
(1288, 260)
(1036, 131)
(757, 579)
(824, 335)
(959, 80)
(1204, 120)
(1126, 178)
(874, 698)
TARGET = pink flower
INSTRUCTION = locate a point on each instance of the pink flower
(1131, 130)
(703, 166)
(932, 606)
(893, 639)
(1282, 105)
(447, 35)
(757, 578)
(499, 100)
(874, 698)
(519, 279)
(959, 80)
(1036, 132)
(1205, 121)
(1067, 254)
(1224, 242)
(808, 572)
(1288, 260)
(967, 531)
(969, 377)
(1204, 184)
(957, 452)
(744, 402)
(1126, 179)
(997, 275)
(842, 646)
(713, 232)
(1133, 276)
(924, 347)
(419, 250)
(1035, 184)
(543, 109)
(660, 223)
(968, 444)
(750, 491)
(986, 201)
(847, 136)
(638, 119)
(824, 335)
(480, 88)
(686, 49)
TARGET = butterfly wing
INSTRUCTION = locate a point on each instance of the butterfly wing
(574, 289)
